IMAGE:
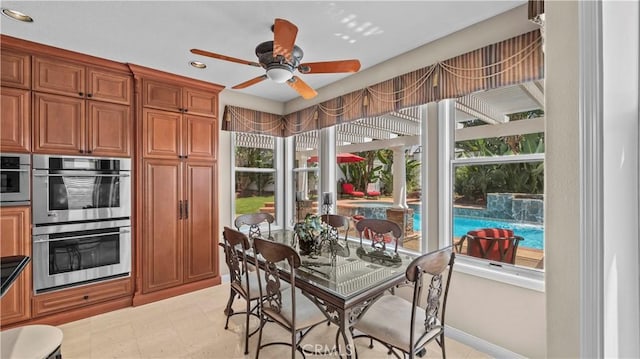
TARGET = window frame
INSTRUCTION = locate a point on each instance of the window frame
(530, 278)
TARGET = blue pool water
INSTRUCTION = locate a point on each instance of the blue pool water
(533, 234)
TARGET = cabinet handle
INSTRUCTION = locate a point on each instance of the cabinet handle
(185, 156)
(81, 94)
(85, 297)
(89, 95)
(89, 151)
(186, 209)
(185, 110)
(81, 151)
(180, 209)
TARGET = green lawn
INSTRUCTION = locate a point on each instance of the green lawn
(251, 204)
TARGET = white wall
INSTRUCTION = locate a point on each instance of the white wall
(562, 180)
(620, 127)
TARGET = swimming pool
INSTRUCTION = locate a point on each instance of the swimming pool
(533, 234)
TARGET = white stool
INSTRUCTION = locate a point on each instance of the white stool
(31, 342)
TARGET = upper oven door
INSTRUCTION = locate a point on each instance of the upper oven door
(76, 189)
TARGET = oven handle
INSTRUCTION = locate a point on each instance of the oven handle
(35, 240)
(80, 175)
(14, 170)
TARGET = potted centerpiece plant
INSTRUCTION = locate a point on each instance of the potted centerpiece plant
(309, 233)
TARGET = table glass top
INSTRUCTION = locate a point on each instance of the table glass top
(353, 269)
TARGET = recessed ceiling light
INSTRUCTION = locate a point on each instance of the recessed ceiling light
(198, 64)
(17, 15)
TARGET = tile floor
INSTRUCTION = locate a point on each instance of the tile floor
(192, 326)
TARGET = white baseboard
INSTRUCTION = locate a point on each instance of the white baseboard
(481, 345)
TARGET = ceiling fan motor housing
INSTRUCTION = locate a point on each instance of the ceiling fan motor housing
(264, 52)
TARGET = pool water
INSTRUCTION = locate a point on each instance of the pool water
(533, 234)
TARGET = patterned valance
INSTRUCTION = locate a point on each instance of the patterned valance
(516, 60)
(240, 119)
(536, 8)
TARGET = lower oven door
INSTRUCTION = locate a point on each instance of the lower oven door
(65, 259)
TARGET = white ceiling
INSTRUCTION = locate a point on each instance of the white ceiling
(159, 34)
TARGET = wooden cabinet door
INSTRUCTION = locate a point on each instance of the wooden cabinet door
(59, 125)
(109, 86)
(108, 129)
(199, 102)
(58, 77)
(162, 231)
(201, 232)
(162, 95)
(15, 120)
(201, 137)
(15, 305)
(16, 69)
(161, 134)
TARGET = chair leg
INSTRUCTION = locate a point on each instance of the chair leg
(294, 344)
(228, 311)
(246, 328)
(262, 322)
(444, 353)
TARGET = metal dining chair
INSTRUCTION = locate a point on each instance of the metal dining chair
(285, 305)
(413, 325)
(337, 224)
(254, 220)
(244, 283)
(379, 231)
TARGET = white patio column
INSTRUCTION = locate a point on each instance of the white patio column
(399, 178)
(303, 182)
(327, 161)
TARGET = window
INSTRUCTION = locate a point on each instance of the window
(305, 175)
(255, 174)
(497, 172)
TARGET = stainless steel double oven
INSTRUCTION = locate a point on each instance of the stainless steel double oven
(81, 220)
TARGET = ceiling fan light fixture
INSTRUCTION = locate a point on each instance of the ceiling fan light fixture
(279, 74)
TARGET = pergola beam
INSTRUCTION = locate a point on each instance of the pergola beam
(534, 90)
(478, 108)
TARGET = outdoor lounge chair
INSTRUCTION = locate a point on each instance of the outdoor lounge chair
(347, 188)
(495, 244)
(373, 190)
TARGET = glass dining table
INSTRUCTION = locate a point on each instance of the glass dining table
(344, 279)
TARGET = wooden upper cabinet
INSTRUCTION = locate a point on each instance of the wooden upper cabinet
(197, 102)
(161, 134)
(15, 120)
(59, 77)
(16, 69)
(108, 129)
(201, 137)
(73, 79)
(108, 86)
(15, 305)
(171, 97)
(162, 95)
(58, 124)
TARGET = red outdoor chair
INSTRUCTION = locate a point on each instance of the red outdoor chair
(372, 190)
(496, 244)
(347, 188)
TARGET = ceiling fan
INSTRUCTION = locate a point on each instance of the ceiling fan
(281, 57)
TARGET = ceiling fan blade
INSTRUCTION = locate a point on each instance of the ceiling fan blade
(302, 88)
(223, 57)
(284, 38)
(329, 67)
(253, 81)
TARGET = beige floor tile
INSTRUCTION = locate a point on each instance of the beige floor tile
(192, 326)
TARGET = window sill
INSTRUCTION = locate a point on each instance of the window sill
(532, 279)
